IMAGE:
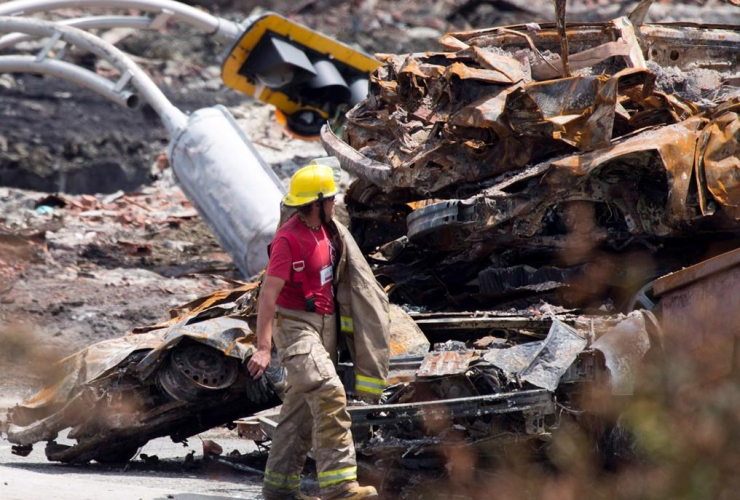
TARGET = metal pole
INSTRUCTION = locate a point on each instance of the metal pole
(235, 191)
(560, 6)
(95, 22)
(173, 119)
(70, 72)
(217, 166)
(221, 29)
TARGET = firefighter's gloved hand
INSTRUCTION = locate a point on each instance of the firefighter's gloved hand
(272, 382)
(259, 391)
(275, 373)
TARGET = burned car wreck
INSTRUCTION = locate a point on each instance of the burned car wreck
(509, 386)
(491, 170)
(178, 378)
(517, 194)
(186, 375)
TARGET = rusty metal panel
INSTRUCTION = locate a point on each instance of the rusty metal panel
(231, 336)
(700, 271)
(718, 160)
(407, 339)
(701, 316)
(87, 365)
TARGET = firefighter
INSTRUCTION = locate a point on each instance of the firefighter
(298, 310)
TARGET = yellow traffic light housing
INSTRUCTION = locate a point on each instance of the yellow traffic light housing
(307, 76)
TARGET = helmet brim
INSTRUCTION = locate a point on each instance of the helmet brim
(298, 201)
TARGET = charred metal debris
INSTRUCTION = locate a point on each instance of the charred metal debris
(177, 378)
(506, 376)
(541, 175)
(486, 174)
(519, 205)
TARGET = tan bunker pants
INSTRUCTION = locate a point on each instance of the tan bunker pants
(314, 408)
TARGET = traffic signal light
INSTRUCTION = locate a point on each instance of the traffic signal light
(307, 76)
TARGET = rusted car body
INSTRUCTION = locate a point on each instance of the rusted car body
(186, 375)
(495, 389)
(177, 378)
(485, 172)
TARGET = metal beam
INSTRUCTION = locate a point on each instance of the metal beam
(95, 22)
(485, 323)
(69, 72)
(222, 30)
(476, 406)
(174, 120)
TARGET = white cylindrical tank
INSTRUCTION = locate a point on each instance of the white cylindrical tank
(234, 190)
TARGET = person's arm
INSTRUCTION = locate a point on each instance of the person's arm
(266, 312)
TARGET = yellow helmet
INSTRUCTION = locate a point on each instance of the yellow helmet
(309, 183)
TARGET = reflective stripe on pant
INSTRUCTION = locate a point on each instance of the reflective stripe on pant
(282, 481)
(347, 324)
(314, 408)
(370, 385)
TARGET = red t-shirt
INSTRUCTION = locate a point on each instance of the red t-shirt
(318, 254)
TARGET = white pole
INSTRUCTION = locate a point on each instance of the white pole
(95, 22)
(70, 72)
(174, 119)
(223, 30)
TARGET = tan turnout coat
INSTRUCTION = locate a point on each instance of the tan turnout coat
(364, 317)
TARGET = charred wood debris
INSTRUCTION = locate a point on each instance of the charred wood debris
(517, 193)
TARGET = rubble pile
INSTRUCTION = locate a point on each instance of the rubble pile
(66, 228)
(499, 170)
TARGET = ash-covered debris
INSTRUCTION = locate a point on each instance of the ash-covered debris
(704, 86)
(170, 378)
(178, 377)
